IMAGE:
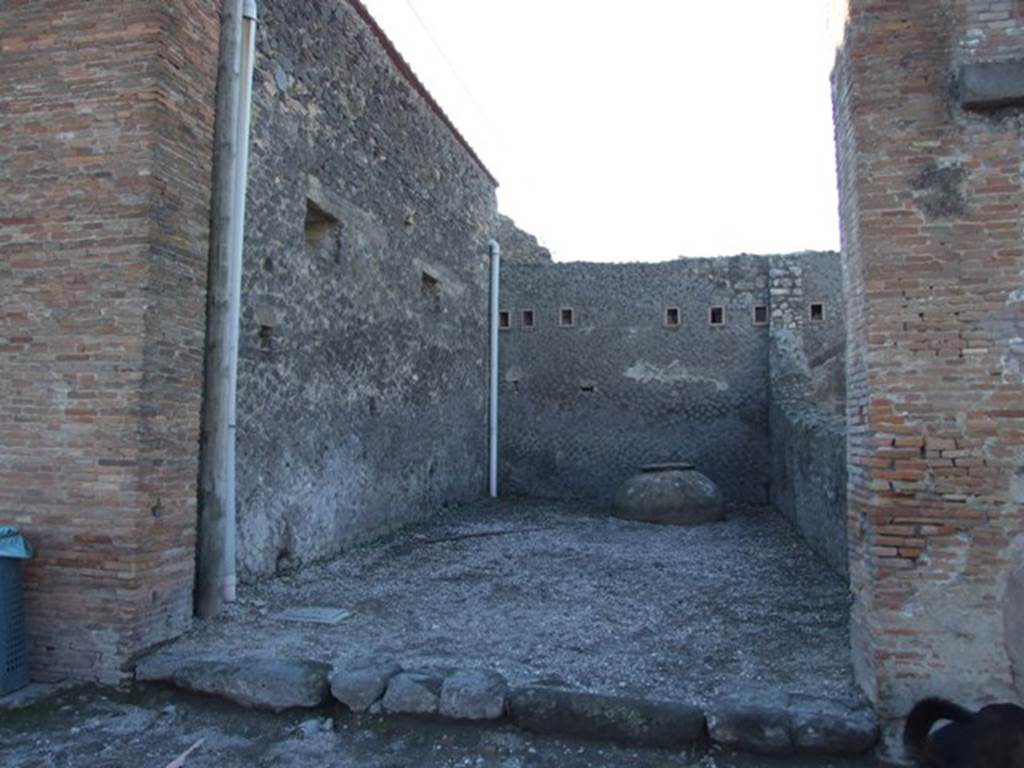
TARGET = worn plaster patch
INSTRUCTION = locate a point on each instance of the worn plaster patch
(1011, 361)
(673, 373)
(938, 189)
(1013, 615)
(1017, 486)
(951, 563)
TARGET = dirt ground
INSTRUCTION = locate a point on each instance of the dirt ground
(151, 727)
(545, 590)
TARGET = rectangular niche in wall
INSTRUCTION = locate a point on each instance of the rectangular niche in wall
(716, 316)
(430, 290)
(528, 319)
(671, 317)
(817, 312)
(504, 319)
(321, 230)
(566, 317)
(760, 314)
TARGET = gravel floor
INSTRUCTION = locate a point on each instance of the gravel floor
(544, 590)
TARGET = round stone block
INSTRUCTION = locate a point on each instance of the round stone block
(670, 494)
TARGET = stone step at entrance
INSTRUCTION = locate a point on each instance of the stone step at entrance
(756, 721)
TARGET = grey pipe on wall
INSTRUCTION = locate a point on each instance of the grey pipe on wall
(495, 251)
(215, 545)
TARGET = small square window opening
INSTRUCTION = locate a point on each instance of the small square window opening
(567, 317)
(671, 317)
(760, 314)
(430, 290)
(504, 319)
(716, 316)
(528, 319)
(429, 284)
(321, 231)
(817, 312)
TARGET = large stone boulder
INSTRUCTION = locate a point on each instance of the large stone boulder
(260, 683)
(474, 694)
(412, 693)
(671, 494)
(362, 687)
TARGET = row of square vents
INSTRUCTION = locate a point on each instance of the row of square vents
(671, 318)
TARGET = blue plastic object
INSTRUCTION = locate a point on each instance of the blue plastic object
(13, 544)
(14, 671)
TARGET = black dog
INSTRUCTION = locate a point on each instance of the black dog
(992, 737)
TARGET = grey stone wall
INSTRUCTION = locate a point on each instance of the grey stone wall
(759, 408)
(583, 407)
(518, 246)
(362, 392)
(808, 394)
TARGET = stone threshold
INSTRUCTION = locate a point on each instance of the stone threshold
(756, 721)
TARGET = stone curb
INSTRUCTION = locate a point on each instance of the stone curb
(758, 722)
(771, 723)
(563, 711)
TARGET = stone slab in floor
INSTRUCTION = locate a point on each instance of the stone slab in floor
(565, 593)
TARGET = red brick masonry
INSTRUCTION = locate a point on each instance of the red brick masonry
(931, 214)
(106, 120)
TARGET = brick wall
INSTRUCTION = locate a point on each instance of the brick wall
(931, 210)
(106, 113)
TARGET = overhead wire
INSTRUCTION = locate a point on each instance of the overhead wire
(496, 134)
(448, 63)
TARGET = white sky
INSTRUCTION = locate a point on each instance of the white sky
(640, 130)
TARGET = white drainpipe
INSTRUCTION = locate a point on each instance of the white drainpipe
(495, 281)
(215, 546)
(241, 173)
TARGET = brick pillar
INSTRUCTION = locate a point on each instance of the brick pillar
(931, 210)
(107, 115)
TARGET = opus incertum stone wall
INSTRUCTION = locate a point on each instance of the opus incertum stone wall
(807, 425)
(932, 205)
(625, 365)
(362, 385)
(518, 246)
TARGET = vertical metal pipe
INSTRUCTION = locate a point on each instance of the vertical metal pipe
(248, 50)
(216, 467)
(495, 250)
